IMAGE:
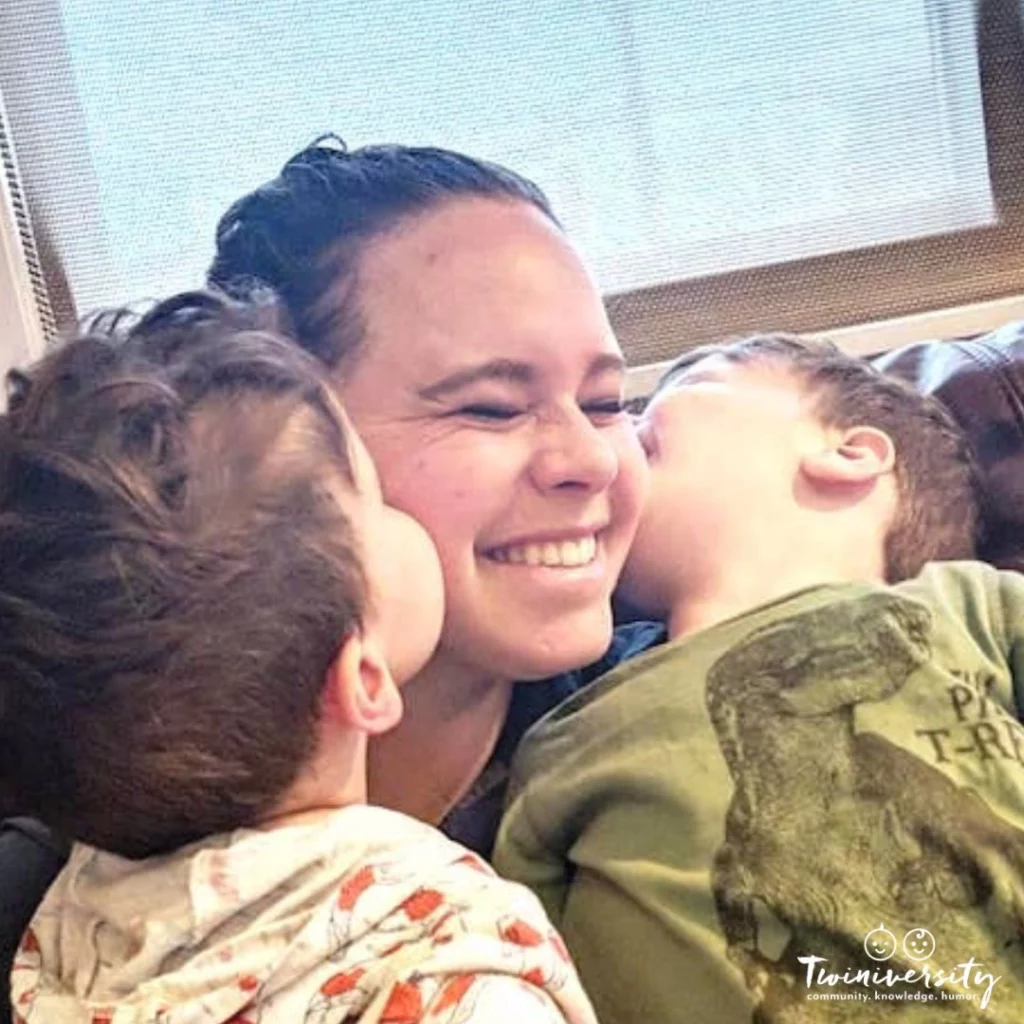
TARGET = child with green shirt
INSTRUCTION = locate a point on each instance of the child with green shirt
(809, 804)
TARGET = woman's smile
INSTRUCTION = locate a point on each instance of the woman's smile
(554, 553)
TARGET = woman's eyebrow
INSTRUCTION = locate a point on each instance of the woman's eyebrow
(508, 371)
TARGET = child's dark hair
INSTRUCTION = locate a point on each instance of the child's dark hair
(302, 233)
(938, 518)
(177, 574)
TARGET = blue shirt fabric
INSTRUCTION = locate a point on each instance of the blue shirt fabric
(474, 820)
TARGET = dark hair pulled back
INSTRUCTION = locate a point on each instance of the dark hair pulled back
(302, 233)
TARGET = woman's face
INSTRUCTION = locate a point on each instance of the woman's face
(489, 393)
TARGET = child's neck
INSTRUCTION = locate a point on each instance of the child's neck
(451, 724)
(335, 777)
(741, 584)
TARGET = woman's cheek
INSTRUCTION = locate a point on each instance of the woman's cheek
(449, 498)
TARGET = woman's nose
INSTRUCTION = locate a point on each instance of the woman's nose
(573, 452)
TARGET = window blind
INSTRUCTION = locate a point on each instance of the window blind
(676, 139)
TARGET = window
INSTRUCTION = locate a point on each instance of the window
(725, 165)
(22, 289)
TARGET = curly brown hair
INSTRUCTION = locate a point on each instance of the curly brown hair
(939, 515)
(178, 573)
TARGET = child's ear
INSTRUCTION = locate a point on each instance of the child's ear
(860, 455)
(360, 690)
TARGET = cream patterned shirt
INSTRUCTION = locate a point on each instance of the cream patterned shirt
(365, 916)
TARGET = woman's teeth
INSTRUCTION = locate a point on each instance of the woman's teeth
(567, 553)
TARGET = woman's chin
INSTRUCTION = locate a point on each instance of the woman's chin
(528, 646)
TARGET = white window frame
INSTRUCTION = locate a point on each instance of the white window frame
(21, 331)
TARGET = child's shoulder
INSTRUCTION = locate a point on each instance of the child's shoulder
(960, 585)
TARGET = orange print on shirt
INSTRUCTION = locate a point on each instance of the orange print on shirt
(422, 903)
(535, 977)
(454, 990)
(521, 934)
(339, 984)
(404, 1005)
(471, 860)
(354, 887)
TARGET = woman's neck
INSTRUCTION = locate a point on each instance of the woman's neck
(451, 724)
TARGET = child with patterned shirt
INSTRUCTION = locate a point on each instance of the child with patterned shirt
(809, 804)
(205, 606)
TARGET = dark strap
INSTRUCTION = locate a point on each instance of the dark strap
(30, 857)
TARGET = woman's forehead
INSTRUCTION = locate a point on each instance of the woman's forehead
(475, 277)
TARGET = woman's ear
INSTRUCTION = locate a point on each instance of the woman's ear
(860, 455)
(360, 692)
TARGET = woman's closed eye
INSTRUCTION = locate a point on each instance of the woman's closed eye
(495, 412)
(599, 410)
(602, 410)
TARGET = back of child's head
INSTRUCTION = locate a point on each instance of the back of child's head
(177, 574)
(938, 514)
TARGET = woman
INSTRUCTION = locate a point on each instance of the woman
(474, 355)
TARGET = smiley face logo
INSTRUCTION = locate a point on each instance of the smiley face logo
(880, 944)
(919, 944)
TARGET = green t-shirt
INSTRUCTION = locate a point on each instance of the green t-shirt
(813, 811)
